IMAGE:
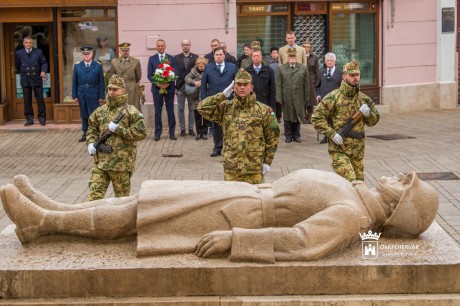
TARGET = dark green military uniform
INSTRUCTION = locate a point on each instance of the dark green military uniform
(331, 115)
(250, 133)
(117, 166)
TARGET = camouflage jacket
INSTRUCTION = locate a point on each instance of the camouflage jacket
(249, 130)
(335, 108)
(131, 129)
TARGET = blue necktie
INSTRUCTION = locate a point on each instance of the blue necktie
(220, 68)
(257, 70)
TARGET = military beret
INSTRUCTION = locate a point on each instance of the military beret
(351, 67)
(243, 76)
(116, 81)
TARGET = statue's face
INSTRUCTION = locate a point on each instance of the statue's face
(395, 184)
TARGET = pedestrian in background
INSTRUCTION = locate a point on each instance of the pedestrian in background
(245, 55)
(87, 87)
(118, 165)
(249, 130)
(32, 67)
(228, 57)
(129, 68)
(273, 62)
(292, 90)
(332, 113)
(193, 79)
(329, 77)
(214, 44)
(185, 61)
(291, 44)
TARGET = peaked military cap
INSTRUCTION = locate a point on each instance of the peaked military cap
(124, 46)
(243, 76)
(255, 45)
(86, 49)
(292, 52)
(116, 81)
(351, 67)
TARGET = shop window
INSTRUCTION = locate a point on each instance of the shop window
(353, 36)
(269, 30)
(83, 31)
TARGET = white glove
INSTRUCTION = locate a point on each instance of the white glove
(265, 168)
(365, 110)
(113, 126)
(338, 140)
(228, 91)
(91, 149)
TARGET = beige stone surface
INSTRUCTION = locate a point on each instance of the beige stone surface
(63, 266)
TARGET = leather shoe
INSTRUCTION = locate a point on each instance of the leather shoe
(28, 123)
(198, 137)
(182, 133)
(191, 133)
(215, 153)
(173, 137)
(205, 137)
(297, 139)
(82, 138)
(288, 140)
(156, 138)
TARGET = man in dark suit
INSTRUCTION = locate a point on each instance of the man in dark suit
(185, 61)
(216, 77)
(87, 87)
(263, 80)
(329, 77)
(32, 66)
(158, 98)
(228, 57)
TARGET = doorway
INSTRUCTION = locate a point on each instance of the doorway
(42, 36)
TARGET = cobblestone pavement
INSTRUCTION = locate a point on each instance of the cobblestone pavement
(60, 166)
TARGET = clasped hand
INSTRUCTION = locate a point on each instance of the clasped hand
(214, 243)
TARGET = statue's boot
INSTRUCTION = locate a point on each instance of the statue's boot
(23, 184)
(26, 215)
(33, 221)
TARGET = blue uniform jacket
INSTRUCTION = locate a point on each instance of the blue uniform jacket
(88, 86)
(30, 67)
(154, 61)
(213, 82)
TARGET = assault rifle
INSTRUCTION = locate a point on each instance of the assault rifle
(347, 128)
(100, 145)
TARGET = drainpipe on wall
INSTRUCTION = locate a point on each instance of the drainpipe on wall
(227, 14)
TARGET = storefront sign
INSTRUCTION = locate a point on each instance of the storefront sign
(272, 8)
(87, 25)
(448, 19)
(356, 6)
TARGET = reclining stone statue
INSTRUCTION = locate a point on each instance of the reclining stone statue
(306, 215)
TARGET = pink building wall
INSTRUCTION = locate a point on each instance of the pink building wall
(409, 45)
(174, 20)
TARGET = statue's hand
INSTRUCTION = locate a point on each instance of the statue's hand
(214, 243)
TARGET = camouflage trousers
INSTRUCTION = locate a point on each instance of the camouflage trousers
(100, 180)
(251, 178)
(351, 164)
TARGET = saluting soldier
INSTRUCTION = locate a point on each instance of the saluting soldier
(117, 166)
(87, 87)
(129, 68)
(250, 131)
(332, 113)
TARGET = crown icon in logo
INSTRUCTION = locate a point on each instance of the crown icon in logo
(370, 235)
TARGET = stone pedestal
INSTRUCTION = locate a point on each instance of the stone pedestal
(69, 270)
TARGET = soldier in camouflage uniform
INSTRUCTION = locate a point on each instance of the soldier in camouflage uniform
(250, 130)
(331, 115)
(118, 166)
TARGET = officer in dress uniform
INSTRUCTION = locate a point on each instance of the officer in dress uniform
(87, 87)
(129, 68)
